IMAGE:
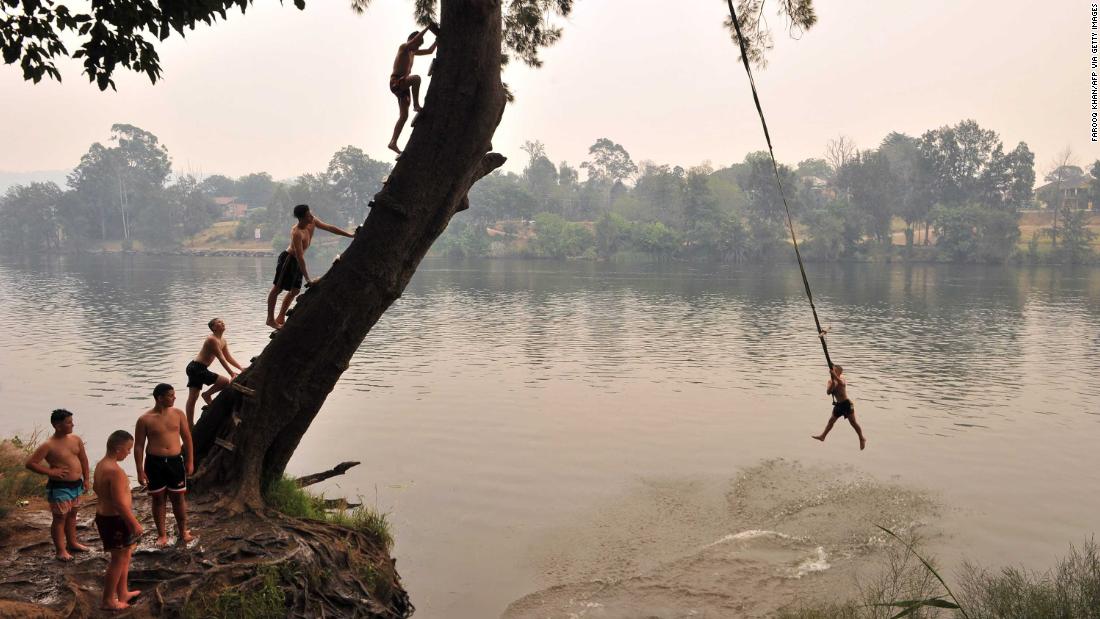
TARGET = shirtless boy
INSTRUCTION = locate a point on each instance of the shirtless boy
(843, 407)
(66, 465)
(291, 267)
(198, 371)
(402, 80)
(170, 458)
(114, 518)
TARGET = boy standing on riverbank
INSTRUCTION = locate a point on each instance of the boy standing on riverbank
(66, 465)
(198, 371)
(163, 470)
(114, 519)
(291, 266)
(842, 407)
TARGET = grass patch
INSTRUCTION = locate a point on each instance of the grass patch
(265, 600)
(16, 482)
(1070, 591)
(284, 495)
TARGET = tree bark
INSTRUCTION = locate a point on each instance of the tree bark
(246, 439)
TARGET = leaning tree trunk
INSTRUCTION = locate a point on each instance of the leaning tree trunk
(245, 439)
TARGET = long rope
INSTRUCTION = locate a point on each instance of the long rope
(778, 180)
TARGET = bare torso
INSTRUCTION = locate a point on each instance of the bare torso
(162, 430)
(403, 63)
(210, 347)
(305, 234)
(107, 474)
(65, 453)
(839, 388)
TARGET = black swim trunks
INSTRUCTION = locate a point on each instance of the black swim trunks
(165, 473)
(199, 375)
(288, 276)
(114, 532)
(399, 86)
(843, 409)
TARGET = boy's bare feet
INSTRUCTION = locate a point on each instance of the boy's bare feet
(115, 605)
(64, 557)
(162, 541)
(393, 146)
(131, 595)
(78, 547)
(862, 443)
(271, 323)
(186, 537)
(820, 438)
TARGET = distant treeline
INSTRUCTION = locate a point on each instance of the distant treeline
(954, 189)
(126, 191)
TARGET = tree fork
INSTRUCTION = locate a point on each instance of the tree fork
(446, 154)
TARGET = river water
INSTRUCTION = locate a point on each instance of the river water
(538, 430)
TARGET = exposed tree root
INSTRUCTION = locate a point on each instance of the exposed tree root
(318, 569)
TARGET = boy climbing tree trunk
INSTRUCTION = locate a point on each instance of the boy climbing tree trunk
(446, 154)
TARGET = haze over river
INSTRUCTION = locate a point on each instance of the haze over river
(542, 427)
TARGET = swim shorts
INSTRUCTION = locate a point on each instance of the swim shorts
(114, 532)
(165, 473)
(843, 409)
(288, 276)
(199, 375)
(63, 495)
(399, 86)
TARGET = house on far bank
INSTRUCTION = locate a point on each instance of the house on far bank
(231, 209)
(1075, 193)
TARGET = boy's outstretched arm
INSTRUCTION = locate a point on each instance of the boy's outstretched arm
(331, 228)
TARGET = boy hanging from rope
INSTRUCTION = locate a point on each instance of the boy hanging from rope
(842, 406)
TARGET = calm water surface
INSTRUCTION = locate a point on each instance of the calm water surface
(497, 401)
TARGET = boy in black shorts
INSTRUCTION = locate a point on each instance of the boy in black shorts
(842, 407)
(291, 269)
(170, 459)
(198, 371)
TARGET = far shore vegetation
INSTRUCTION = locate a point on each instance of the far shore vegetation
(954, 194)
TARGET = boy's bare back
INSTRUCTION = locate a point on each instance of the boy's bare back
(109, 478)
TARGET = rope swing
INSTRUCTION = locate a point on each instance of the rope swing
(778, 181)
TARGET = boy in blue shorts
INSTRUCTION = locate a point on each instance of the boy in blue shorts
(62, 459)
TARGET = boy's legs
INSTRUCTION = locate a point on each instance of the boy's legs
(71, 541)
(123, 590)
(179, 508)
(403, 106)
(57, 532)
(192, 397)
(160, 509)
(859, 430)
(828, 427)
(218, 385)
(287, 300)
(271, 298)
(414, 82)
(115, 568)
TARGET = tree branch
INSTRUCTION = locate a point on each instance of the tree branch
(316, 478)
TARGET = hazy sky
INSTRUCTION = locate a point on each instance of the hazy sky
(280, 90)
